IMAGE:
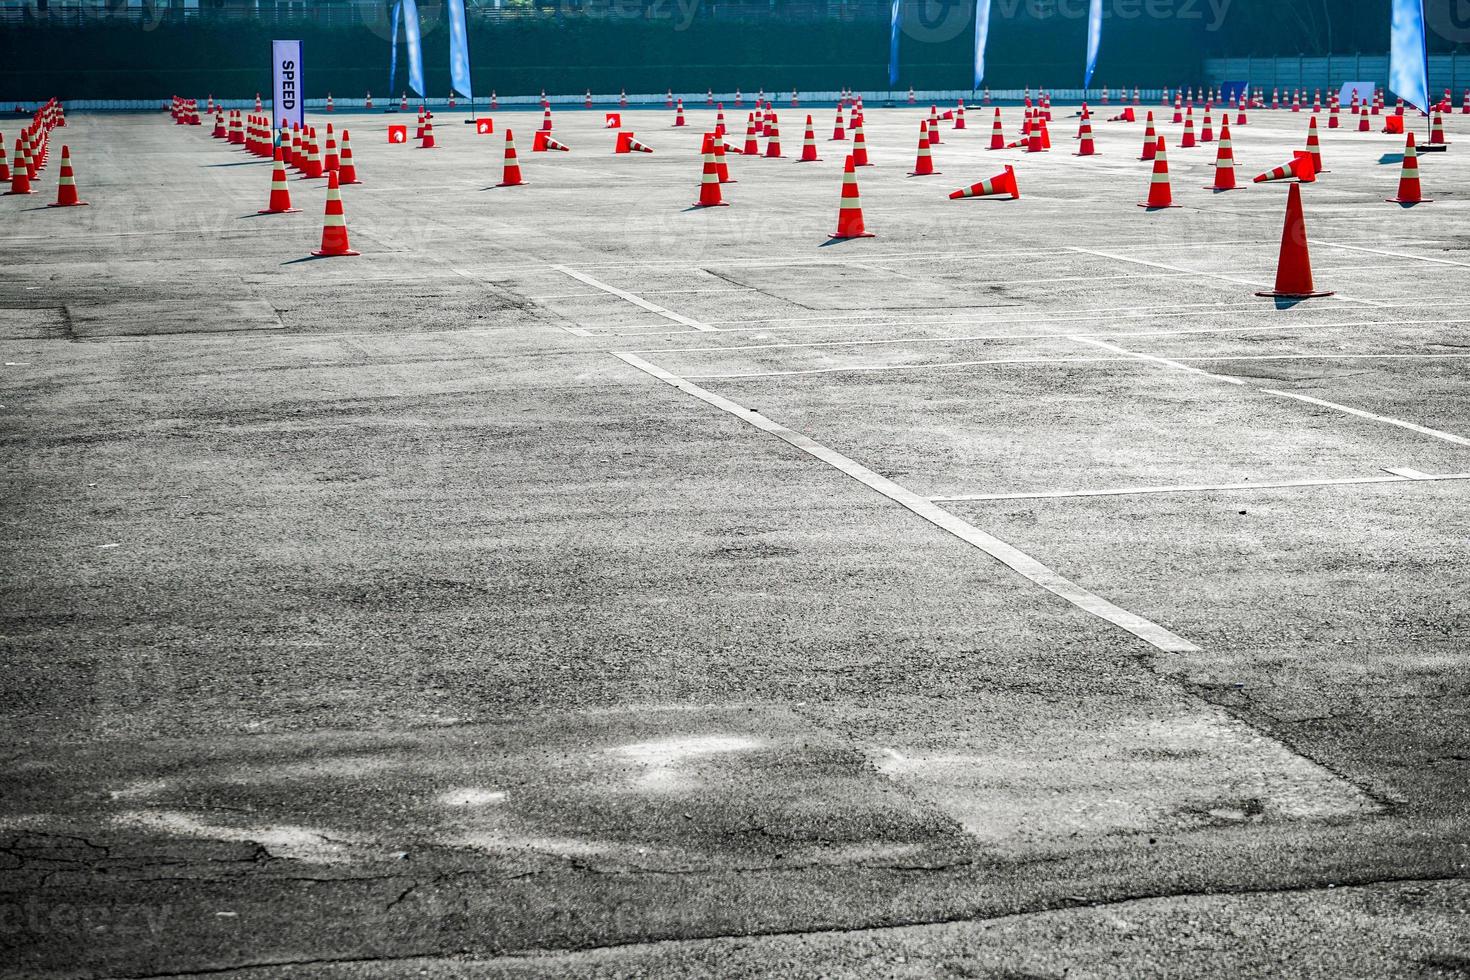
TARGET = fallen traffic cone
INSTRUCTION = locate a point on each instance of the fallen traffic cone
(347, 169)
(1300, 168)
(709, 181)
(636, 147)
(1409, 190)
(1294, 264)
(1150, 138)
(1224, 162)
(280, 199)
(512, 175)
(66, 186)
(997, 133)
(924, 164)
(1085, 146)
(850, 215)
(1159, 193)
(334, 223)
(809, 144)
(1003, 183)
(552, 143)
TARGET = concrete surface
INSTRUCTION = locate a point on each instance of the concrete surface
(577, 584)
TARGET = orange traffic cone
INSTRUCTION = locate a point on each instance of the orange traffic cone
(997, 133)
(550, 142)
(4, 160)
(1300, 168)
(546, 120)
(1436, 131)
(66, 186)
(427, 142)
(809, 144)
(1150, 138)
(709, 181)
(850, 216)
(20, 171)
(1294, 264)
(1003, 183)
(959, 115)
(634, 146)
(679, 114)
(1207, 129)
(838, 131)
(1224, 161)
(1363, 124)
(859, 145)
(334, 224)
(924, 164)
(280, 199)
(1159, 194)
(1409, 190)
(773, 141)
(346, 168)
(1186, 141)
(752, 146)
(1314, 147)
(1085, 146)
(721, 166)
(330, 160)
(512, 177)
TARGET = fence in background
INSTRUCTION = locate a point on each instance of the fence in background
(1446, 71)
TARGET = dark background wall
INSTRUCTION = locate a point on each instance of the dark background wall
(690, 45)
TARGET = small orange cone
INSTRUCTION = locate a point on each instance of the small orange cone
(334, 224)
(1159, 194)
(1085, 146)
(839, 132)
(1409, 190)
(1207, 129)
(997, 133)
(1294, 264)
(4, 160)
(1224, 161)
(552, 143)
(636, 147)
(709, 181)
(1004, 183)
(752, 147)
(66, 187)
(330, 160)
(546, 120)
(809, 144)
(347, 169)
(1314, 147)
(20, 172)
(773, 139)
(679, 114)
(427, 142)
(1150, 138)
(959, 115)
(924, 164)
(1187, 140)
(512, 177)
(721, 166)
(1300, 168)
(280, 199)
(859, 145)
(1436, 131)
(850, 217)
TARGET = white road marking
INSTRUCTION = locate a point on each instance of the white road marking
(1385, 419)
(1407, 473)
(1008, 555)
(1397, 255)
(1400, 476)
(635, 300)
(1157, 360)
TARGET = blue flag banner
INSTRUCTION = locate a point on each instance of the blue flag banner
(415, 50)
(393, 48)
(893, 21)
(288, 104)
(459, 50)
(1094, 39)
(982, 34)
(1408, 66)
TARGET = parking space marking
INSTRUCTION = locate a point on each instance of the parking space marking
(1385, 419)
(635, 300)
(1400, 476)
(1397, 255)
(1008, 555)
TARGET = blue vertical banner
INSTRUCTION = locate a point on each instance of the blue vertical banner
(895, 16)
(415, 49)
(459, 50)
(982, 34)
(393, 48)
(1094, 39)
(287, 97)
(1408, 60)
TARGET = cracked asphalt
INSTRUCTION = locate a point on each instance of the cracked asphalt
(370, 617)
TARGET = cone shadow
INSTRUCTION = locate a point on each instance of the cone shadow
(1391, 158)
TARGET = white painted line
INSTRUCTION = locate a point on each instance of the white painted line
(1253, 283)
(1265, 328)
(1401, 476)
(1386, 420)
(635, 300)
(1157, 360)
(1407, 473)
(1013, 558)
(1396, 255)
